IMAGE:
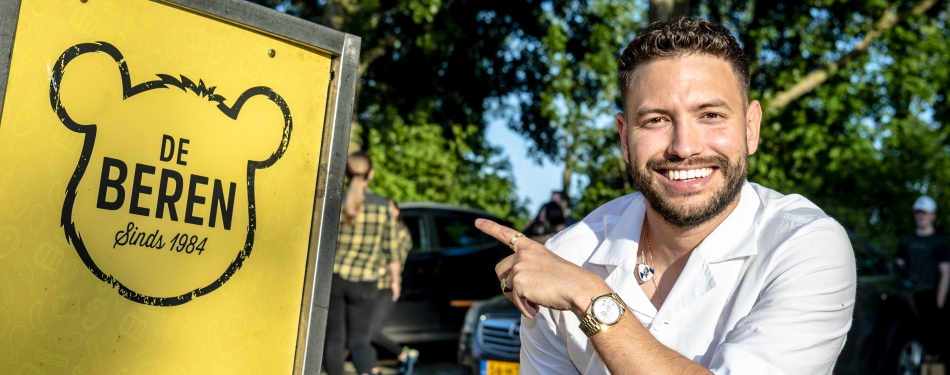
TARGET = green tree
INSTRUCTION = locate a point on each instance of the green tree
(855, 91)
(579, 92)
(430, 70)
(445, 169)
(850, 94)
(579, 88)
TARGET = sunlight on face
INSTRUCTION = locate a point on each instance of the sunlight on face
(687, 134)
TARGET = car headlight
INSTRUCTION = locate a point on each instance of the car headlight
(471, 318)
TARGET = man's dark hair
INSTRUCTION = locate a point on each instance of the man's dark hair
(680, 37)
(553, 213)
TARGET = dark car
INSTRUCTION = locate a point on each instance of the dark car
(885, 335)
(451, 264)
(491, 337)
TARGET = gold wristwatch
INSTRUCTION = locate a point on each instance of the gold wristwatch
(603, 312)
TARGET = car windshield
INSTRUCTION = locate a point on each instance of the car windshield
(459, 231)
(416, 230)
(871, 261)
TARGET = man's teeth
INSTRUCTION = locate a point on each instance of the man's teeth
(688, 174)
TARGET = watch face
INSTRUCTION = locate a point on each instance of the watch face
(606, 310)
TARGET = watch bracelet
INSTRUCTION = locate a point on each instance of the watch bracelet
(622, 303)
(616, 297)
(589, 325)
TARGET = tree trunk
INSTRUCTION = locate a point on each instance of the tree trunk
(334, 12)
(334, 16)
(566, 176)
(665, 10)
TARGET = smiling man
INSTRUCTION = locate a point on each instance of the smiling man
(700, 271)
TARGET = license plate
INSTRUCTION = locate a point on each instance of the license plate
(490, 367)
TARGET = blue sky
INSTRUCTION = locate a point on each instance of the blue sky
(535, 182)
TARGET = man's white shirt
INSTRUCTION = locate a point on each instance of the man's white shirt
(770, 291)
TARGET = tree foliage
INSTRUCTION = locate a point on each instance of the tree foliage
(580, 87)
(866, 141)
(856, 93)
(430, 69)
(444, 169)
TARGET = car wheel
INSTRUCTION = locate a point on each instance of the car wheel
(910, 356)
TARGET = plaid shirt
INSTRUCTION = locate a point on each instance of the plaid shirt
(359, 247)
(404, 243)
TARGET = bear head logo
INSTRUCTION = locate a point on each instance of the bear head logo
(161, 203)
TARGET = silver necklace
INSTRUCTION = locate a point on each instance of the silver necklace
(644, 272)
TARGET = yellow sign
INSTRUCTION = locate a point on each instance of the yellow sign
(157, 177)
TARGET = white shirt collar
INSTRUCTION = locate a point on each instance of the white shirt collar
(729, 240)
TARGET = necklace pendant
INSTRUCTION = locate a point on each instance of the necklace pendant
(644, 272)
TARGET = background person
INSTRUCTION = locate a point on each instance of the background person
(367, 232)
(548, 222)
(390, 287)
(562, 199)
(555, 216)
(926, 257)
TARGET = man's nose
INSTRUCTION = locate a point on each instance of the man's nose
(686, 139)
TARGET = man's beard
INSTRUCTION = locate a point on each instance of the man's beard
(689, 217)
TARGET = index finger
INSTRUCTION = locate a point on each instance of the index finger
(500, 232)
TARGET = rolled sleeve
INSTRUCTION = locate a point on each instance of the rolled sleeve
(390, 238)
(405, 243)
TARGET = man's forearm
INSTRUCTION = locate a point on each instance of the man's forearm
(628, 348)
(395, 270)
(944, 284)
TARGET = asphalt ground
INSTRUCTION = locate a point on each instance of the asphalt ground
(437, 358)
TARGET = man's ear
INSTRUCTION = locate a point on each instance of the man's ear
(753, 118)
(621, 123)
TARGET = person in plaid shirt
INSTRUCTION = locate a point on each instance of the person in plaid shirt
(367, 235)
(388, 294)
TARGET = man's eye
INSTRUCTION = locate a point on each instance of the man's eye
(713, 115)
(655, 120)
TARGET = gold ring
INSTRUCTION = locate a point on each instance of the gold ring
(514, 239)
(504, 286)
